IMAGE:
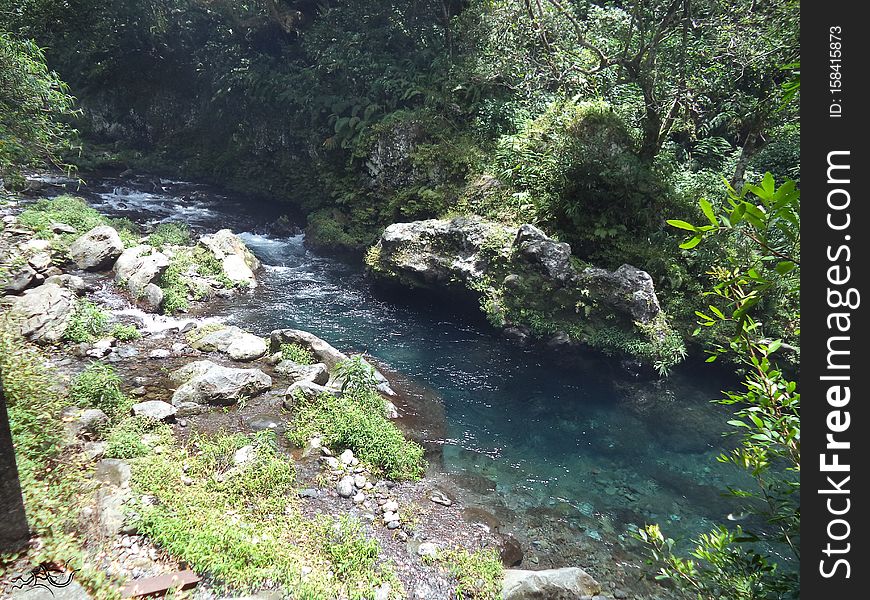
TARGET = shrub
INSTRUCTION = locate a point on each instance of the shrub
(99, 386)
(126, 439)
(478, 574)
(71, 210)
(170, 234)
(87, 323)
(125, 333)
(357, 420)
(178, 286)
(298, 354)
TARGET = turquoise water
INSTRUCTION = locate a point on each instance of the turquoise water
(569, 453)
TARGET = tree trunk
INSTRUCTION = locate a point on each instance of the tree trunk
(14, 531)
(746, 153)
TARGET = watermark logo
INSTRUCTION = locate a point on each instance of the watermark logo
(48, 576)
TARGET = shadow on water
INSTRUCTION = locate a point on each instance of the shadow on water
(565, 444)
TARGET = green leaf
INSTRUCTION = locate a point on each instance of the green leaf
(784, 267)
(691, 243)
(681, 225)
(707, 209)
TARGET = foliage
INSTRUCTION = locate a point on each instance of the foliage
(241, 523)
(767, 409)
(88, 323)
(357, 420)
(99, 386)
(128, 438)
(182, 279)
(34, 103)
(170, 234)
(297, 353)
(75, 212)
(478, 574)
(125, 333)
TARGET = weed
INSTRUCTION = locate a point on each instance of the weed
(125, 333)
(478, 574)
(170, 234)
(99, 386)
(88, 322)
(298, 354)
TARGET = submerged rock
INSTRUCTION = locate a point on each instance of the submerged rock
(529, 284)
(98, 249)
(568, 583)
(205, 382)
(44, 313)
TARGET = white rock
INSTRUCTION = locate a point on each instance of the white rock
(346, 457)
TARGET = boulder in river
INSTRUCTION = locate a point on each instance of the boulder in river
(568, 583)
(139, 266)
(238, 262)
(236, 343)
(205, 382)
(44, 313)
(98, 249)
(530, 285)
(317, 373)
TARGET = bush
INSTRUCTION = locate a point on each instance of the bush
(178, 286)
(170, 234)
(99, 386)
(478, 574)
(357, 420)
(125, 333)
(298, 354)
(126, 439)
(87, 323)
(75, 212)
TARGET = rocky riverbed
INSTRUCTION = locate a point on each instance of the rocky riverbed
(201, 376)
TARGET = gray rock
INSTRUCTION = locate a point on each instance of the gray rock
(155, 409)
(88, 423)
(346, 457)
(345, 488)
(44, 313)
(140, 266)
(307, 389)
(265, 421)
(317, 373)
(628, 289)
(112, 471)
(62, 228)
(205, 382)
(237, 343)
(427, 549)
(40, 261)
(238, 262)
(552, 258)
(73, 283)
(97, 249)
(160, 353)
(110, 503)
(151, 298)
(568, 583)
(20, 280)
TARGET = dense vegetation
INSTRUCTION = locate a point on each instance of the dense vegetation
(614, 126)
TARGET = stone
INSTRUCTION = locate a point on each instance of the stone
(383, 592)
(568, 583)
(628, 289)
(360, 497)
(87, 423)
(73, 283)
(20, 280)
(390, 410)
(155, 409)
(160, 353)
(427, 549)
(346, 457)
(307, 389)
(62, 228)
(238, 262)
(317, 373)
(344, 487)
(96, 250)
(151, 298)
(359, 481)
(44, 313)
(237, 343)
(205, 382)
(41, 261)
(113, 471)
(262, 422)
(244, 455)
(509, 550)
(393, 525)
(308, 493)
(391, 506)
(331, 462)
(140, 266)
(100, 348)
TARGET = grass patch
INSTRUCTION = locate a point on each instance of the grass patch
(54, 484)
(170, 234)
(136, 436)
(99, 386)
(75, 212)
(125, 333)
(357, 420)
(298, 354)
(88, 323)
(478, 574)
(241, 525)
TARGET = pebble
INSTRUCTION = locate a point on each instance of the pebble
(439, 498)
(427, 549)
(359, 481)
(391, 506)
(346, 457)
(393, 525)
(159, 353)
(344, 487)
(139, 391)
(360, 497)
(331, 462)
(182, 422)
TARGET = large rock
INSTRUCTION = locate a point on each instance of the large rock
(98, 249)
(237, 343)
(323, 352)
(527, 282)
(155, 409)
(569, 583)
(317, 373)
(238, 262)
(44, 313)
(21, 279)
(205, 382)
(140, 266)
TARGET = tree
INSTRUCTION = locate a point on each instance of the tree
(33, 105)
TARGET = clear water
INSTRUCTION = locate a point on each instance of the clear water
(569, 451)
